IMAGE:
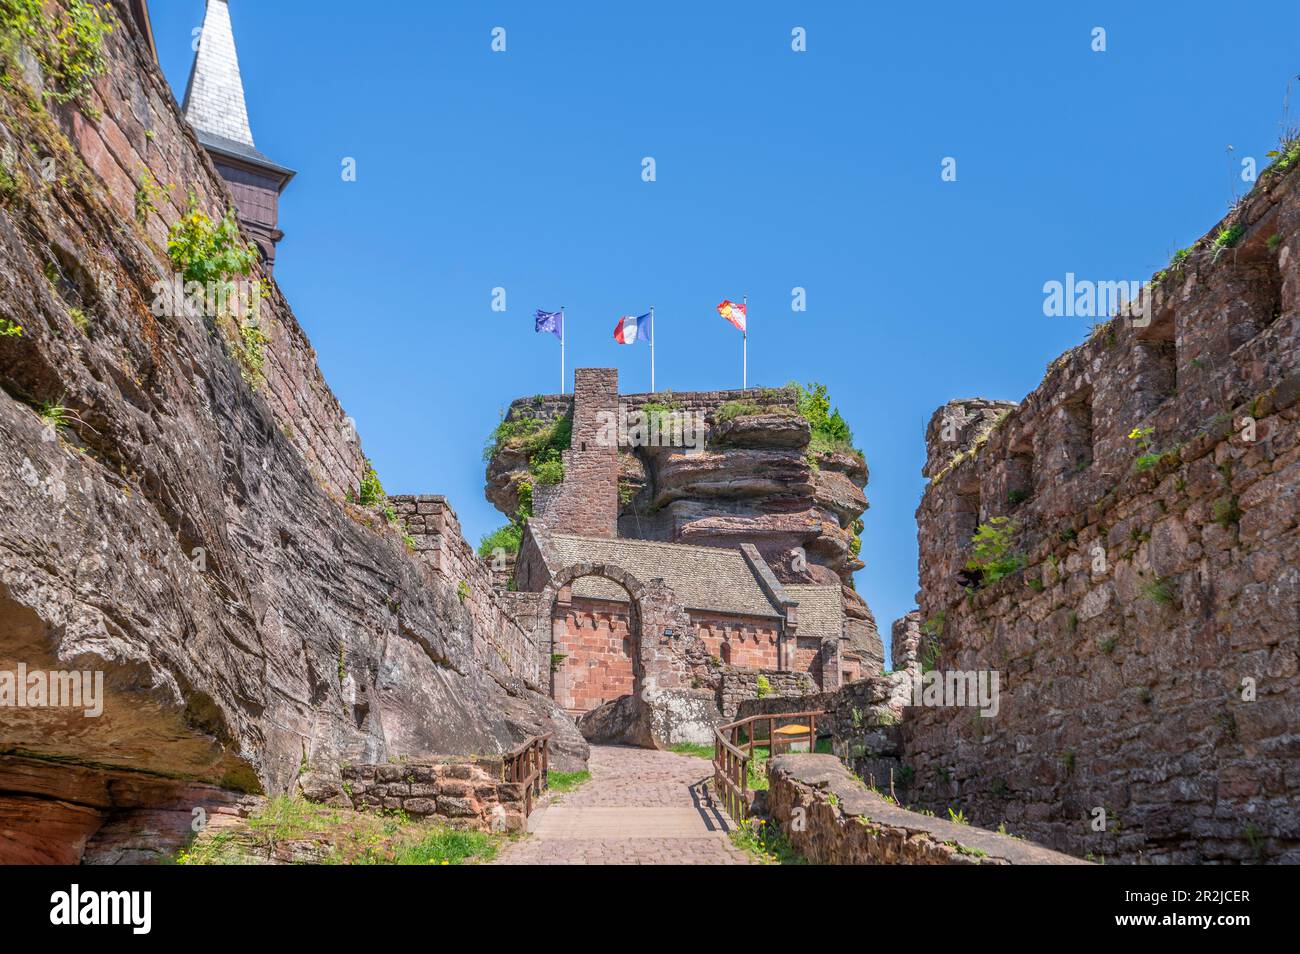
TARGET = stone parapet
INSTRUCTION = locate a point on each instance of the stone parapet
(831, 818)
(463, 792)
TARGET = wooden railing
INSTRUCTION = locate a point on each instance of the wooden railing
(528, 765)
(732, 755)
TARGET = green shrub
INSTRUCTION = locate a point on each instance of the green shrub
(370, 491)
(1285, 156)
(762, 687)
(1229, 237)
(525, 494)
(250, 351)
(505, 538)
(654, 412)
(992, 550)
(147, 195)
(830, 432)
(206, 251)
(548, 472)
(10, 329)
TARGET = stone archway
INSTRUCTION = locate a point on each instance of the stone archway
(661, 708)
(595, 657)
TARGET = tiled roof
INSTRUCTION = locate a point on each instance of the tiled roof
(705, 578)
(821, 609)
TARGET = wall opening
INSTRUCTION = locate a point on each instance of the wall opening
(1077, 433)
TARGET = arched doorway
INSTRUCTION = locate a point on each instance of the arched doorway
(594, 636)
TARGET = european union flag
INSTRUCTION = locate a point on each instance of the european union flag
(552, 321)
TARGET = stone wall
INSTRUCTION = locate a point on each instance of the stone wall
(503, 644)
(598, 647)
(736, 686)
(831, 818)
(738, 640)
(861, 719)
(140, 132)
(1148, 649)
(462, 792)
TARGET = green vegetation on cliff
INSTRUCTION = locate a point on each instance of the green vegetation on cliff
(69, 43)
(543, 444)
(830, 432)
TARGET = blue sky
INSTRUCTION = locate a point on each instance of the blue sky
(775, 169)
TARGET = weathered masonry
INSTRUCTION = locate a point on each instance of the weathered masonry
(1148, 647)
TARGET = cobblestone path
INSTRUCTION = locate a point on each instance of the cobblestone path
(641, 807)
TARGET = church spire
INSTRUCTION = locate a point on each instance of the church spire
(214, 96)
(214, 105)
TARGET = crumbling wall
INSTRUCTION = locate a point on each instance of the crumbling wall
(462, 792)
(586, 501)
(738, 686)
(1148, 648)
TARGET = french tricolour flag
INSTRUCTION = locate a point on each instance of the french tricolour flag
(630, 330)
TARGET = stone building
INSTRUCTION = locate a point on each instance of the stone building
(646, 632)
(732, 612)
(741, 616)
(214, 105)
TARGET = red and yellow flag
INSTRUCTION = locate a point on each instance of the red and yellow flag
(734, 312)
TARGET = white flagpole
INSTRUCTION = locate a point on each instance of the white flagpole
(654, 333)
(563, 331)
(744, 348)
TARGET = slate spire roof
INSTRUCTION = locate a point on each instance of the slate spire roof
(214, 95)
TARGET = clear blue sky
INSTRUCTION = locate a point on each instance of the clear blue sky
(775, 169)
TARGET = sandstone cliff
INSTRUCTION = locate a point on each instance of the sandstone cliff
(184, 532)
(759, 478)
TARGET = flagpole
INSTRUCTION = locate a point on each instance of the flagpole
(744, 348)
(563, 331)
(654, 333)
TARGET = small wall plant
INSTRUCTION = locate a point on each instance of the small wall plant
(68, 43)
(992, 550)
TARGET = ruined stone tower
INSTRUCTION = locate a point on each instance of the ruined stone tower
(586, 502)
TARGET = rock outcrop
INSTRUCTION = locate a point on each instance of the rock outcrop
(755, 480)
(181, 531)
